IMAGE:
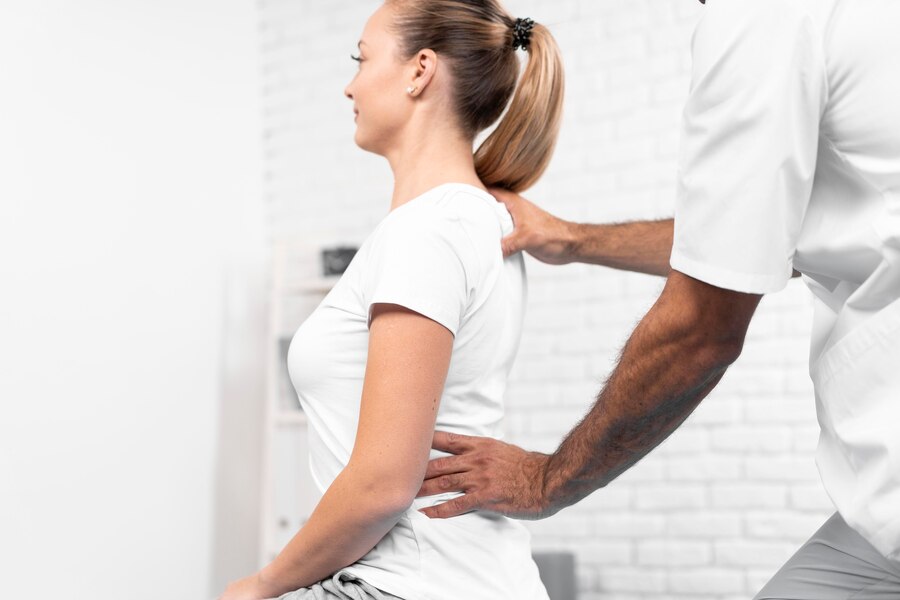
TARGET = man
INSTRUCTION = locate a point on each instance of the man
(790, 160)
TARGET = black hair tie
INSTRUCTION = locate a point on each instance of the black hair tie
(522, 33)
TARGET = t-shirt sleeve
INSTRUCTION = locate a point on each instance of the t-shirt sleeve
(425, 263)
(749, 141)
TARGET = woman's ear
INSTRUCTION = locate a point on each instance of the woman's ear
(425, 63)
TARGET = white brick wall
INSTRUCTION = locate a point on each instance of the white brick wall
(717, 508)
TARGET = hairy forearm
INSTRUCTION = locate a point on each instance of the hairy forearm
(640, 246)
(666, 368)
(352, 516)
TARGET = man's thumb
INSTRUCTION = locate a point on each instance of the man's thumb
(511, 244)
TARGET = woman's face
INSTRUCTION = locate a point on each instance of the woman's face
(380, 100)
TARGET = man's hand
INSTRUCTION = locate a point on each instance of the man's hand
(545, 237)
(639, 246)
(496, 477)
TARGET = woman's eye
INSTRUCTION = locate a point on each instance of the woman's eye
(356, 58)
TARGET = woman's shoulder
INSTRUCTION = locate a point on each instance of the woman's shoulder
(464, 200)
(478, 212)
(457, 218)
(449, 207)
(427, 223)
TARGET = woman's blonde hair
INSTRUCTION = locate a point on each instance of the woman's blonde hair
(477, 36)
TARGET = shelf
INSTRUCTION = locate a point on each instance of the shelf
(288, 493)
(290, 417)
(319, 286)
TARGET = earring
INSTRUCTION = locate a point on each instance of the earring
(411, 89)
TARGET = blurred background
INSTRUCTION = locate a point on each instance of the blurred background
(169, 175)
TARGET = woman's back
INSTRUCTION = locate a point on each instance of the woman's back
(438, 255)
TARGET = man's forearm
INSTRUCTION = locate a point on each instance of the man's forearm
(640, 246)
(667, 367)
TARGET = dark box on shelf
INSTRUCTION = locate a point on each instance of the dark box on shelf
(335, 260)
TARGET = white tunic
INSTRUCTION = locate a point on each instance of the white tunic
(790, 158)
(438, 255)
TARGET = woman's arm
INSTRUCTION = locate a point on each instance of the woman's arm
(408, 359)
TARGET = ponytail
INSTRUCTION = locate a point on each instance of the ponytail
(518, 151)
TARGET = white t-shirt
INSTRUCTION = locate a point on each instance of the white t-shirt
(790, 158)
(438, 255)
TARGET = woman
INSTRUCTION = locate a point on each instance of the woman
(424, 325)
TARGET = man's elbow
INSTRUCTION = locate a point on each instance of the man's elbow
(712, 322)
(720, 352)
(714, 344)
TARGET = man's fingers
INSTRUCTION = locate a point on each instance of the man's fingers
(454, 443)
(511, 244)
(453, 508)
(456, 482)
(445, 465)
(510, 200)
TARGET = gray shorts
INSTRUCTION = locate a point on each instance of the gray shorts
(341, 586)
(835, 564)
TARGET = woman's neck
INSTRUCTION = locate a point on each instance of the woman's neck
(423, 162)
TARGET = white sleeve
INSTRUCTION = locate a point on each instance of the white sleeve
(749, 143)
(424, 263)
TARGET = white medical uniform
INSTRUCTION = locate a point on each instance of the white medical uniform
(790, 159)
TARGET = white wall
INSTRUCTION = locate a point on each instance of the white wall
(713, 512)
(129, 152)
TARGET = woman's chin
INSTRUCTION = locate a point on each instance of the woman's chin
(366, 144)
(360, 139)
